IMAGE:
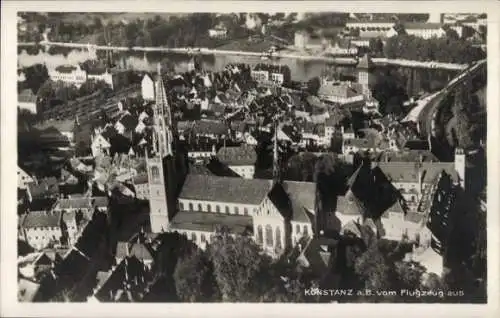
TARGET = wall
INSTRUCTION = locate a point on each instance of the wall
(39, 237)
(234, 208)
(246, 172)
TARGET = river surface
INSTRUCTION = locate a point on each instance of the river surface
(300, 70)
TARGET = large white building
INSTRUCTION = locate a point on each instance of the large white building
(27, 100)
(71, 74)
(148, 88)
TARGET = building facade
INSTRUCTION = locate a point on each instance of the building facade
(71, 74)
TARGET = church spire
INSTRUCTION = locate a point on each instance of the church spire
(276, 166)
(163, 136)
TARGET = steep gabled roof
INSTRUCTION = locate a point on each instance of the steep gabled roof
(235, 156)
(42, 219)
(225, 189)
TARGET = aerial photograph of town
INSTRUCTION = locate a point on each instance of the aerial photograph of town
(307, 157)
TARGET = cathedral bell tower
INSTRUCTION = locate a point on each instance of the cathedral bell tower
(161, 163)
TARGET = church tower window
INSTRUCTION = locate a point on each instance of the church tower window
(155, 173)
(269, 235)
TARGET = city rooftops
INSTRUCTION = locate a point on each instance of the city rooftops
(422, 26)
(408, 171)
(225, 189)
(26, 96)
(343, 90)
(243, 155)
(272, 68)
(73, 203)
(42, 219)
(66, 68)
(66, 125)
(140, 179)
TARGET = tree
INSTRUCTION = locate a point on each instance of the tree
(409, 274)
(373, 267)
(194, 280)
(313, 85)
(237, 262)
(301, 167)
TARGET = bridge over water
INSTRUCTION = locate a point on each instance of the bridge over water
(291, 55)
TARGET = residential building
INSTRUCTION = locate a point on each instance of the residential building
(27, 100)
(44, 188)
(116, 78)
(277, 74)
(42, 228)
(57, 130)
(141, 186)
(100, 146)
(23, 179)
(125, 282)
(240, 159)
(147, 88)
(354, 145)
(217, 33)
(143, 246)
(421, 30)
(370, 25)
(70, 74)
(341, 93)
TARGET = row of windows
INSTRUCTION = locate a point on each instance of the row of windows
(305, 231)
(269, 236)
(218, 208)
(203, 238)
(30, 238)
(48, 228)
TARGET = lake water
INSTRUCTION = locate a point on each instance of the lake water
(300, 70)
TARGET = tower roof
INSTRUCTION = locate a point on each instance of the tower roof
(365, 62)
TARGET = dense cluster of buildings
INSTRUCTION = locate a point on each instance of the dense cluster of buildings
(198, 174)
(358, 32)
(78, 74)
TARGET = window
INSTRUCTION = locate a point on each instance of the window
(259, 234)
(190, 207)
(269, 235)
(227, 210)
(236, 211)
(155, 173)
(181, 206)
(305, 231)
(193, 237)
(209, 207)
(217, 208)
(245, 211)
(278, 237)
(203, 238)
(199, 207)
